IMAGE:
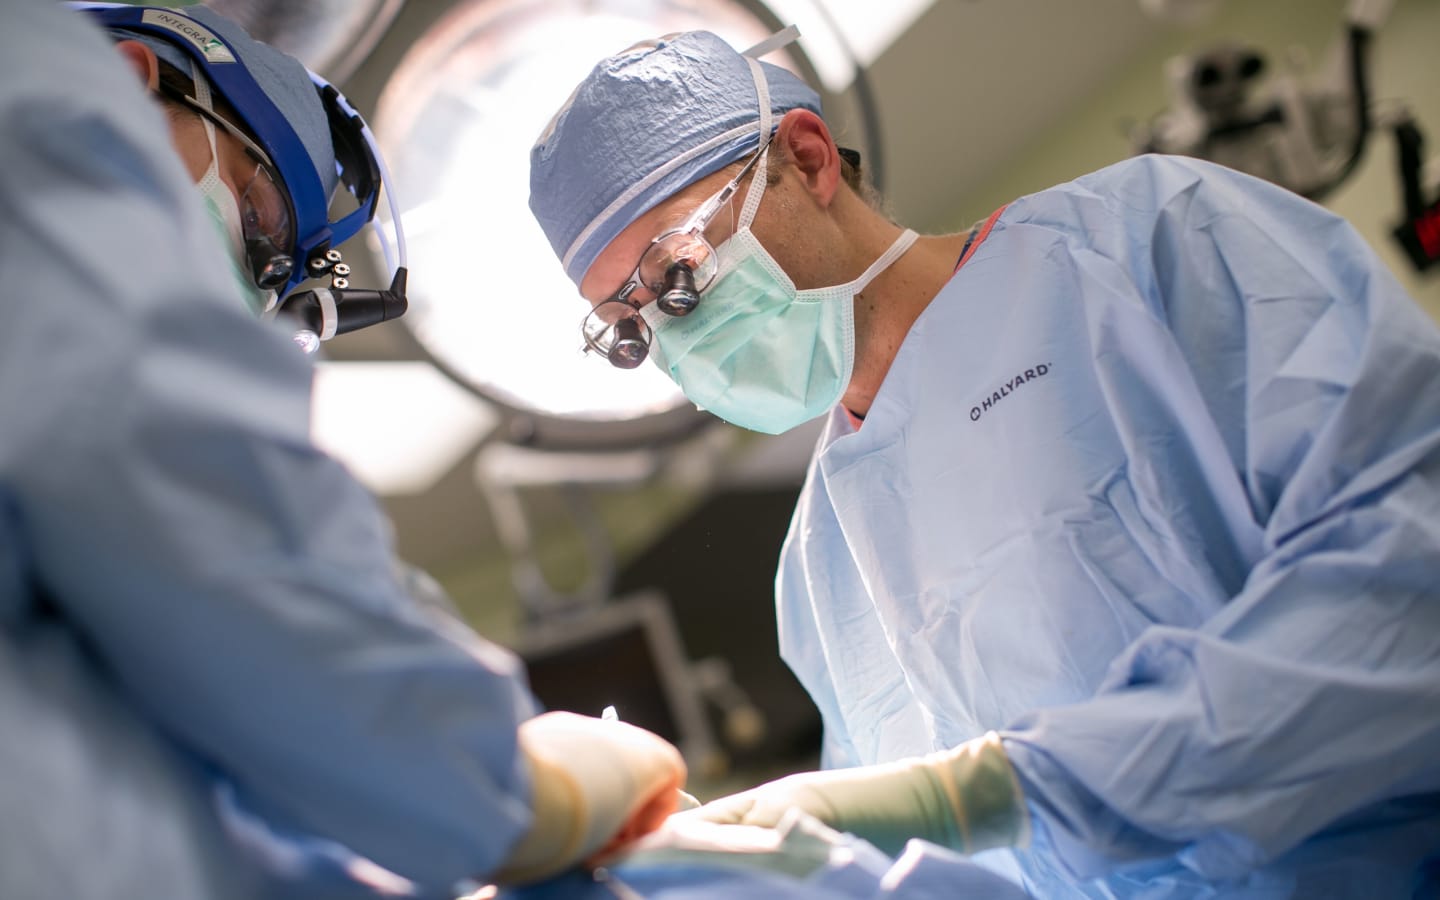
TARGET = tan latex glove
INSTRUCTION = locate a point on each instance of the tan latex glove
(596, 786)
(967, 799)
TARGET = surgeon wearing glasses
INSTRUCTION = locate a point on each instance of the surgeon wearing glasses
(255, 215)
(243, 191)
(1117, 556)
(215, 678)
(677, 265)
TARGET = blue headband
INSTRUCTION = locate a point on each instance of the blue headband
(301, 122)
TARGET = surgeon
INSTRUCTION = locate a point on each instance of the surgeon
(213, 683)
(1119, 553)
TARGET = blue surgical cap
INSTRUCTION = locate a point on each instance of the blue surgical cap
(643, 125)
(285, 81)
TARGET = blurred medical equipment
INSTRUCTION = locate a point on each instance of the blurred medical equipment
(588, 646)
(1306, 132)
(312, 237)
(1418, 231)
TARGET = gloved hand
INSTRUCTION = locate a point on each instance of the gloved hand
(596, 786)
(967, 799)
(684, 801)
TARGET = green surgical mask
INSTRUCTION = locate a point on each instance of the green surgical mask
(757, 352)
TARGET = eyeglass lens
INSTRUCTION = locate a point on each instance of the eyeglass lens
(263, 210)
(615, 330)
(265, 221)
(689, 249)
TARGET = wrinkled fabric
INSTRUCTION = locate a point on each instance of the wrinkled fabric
(810, 862)
(1153, 489)
(644, 124)
(191, 595)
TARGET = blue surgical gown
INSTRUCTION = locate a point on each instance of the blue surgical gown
(195, 603)
(1153, 489)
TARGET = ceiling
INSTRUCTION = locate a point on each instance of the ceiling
(975, 82)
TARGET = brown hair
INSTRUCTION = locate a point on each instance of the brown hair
(852, 172)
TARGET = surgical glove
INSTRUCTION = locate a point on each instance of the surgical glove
(684, 801)
(967, 799)
(596, 785)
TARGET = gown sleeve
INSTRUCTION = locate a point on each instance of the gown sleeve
(1313, 695)
(236, 582)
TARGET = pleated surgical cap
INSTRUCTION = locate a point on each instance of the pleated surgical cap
(285, 81)
(643, 125)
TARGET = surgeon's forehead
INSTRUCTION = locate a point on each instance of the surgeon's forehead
(617, 261)
(619, 258)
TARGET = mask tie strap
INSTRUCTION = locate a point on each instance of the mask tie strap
(902, 243)
(781, 38)
(202, 87)
(202, 99)
(758, 176)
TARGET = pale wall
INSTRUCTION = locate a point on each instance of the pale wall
(1405, 66)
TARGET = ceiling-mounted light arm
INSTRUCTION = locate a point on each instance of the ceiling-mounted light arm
(1418, 231)
(1363, 19)
(1358, 45)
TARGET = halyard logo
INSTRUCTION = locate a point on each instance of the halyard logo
(1007, 388)
(204, 40)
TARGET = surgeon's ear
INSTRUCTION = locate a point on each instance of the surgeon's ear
(808, 146)
(143, 60)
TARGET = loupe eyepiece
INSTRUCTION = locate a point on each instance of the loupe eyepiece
(271, 270)
(629, 348)
(680, 296)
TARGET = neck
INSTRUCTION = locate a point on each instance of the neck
(889, 306)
